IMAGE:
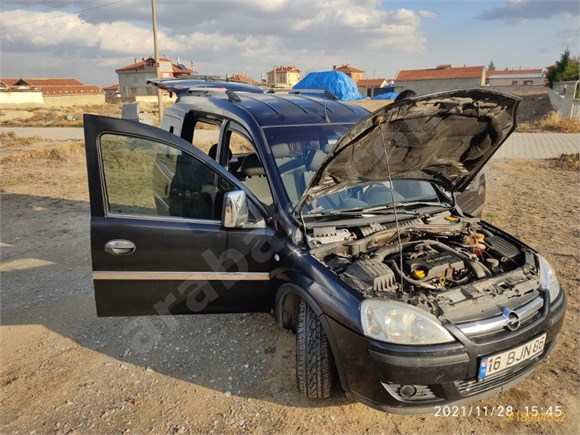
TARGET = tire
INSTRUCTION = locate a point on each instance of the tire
(314, 367)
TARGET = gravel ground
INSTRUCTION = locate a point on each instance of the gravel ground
(65, 371)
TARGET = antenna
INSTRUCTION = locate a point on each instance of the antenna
(394, 205)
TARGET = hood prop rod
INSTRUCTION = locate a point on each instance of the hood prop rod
(394, 204)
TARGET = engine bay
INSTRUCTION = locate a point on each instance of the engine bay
(450, 265)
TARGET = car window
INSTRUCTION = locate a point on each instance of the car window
(144, 177)
(243, 162)
(206, 136)
(299, 151)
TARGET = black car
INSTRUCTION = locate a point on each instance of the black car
(347, 229)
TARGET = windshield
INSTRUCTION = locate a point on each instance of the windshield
(371, 196)
(299, 151)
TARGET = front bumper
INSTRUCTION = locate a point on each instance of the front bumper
(374, 372)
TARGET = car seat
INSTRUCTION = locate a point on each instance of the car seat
(255, 179)
(186, 198)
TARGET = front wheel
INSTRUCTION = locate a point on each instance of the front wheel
(314, 368)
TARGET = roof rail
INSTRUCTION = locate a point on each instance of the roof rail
(208, 91)
(323, 92)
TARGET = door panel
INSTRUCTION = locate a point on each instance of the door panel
(154, 191)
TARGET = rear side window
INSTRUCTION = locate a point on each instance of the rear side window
(206, 136)
(148, 178)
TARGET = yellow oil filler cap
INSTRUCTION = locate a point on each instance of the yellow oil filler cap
(419, 273)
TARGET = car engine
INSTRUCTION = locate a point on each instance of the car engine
(450, 265)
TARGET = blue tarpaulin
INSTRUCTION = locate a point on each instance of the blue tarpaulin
(335, 82)
(386, 96)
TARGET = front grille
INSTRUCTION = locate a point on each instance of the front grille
(470, 387)
(528, 313)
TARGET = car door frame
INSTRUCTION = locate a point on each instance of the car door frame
(95, 127)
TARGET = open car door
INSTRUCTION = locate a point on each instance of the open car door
(158, 243)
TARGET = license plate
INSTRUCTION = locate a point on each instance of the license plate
(490, 365)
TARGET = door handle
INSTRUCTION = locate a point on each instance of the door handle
(120, 247)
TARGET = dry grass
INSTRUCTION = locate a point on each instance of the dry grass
(55, 116)
(57, 152)
(570, 162)
(552, 122)
(371, 105)
(9, 139)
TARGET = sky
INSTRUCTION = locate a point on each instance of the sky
(89, 39)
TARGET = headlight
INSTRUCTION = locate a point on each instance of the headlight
(395, 322)
(548, 278)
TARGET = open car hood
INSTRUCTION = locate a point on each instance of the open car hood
(445, 138)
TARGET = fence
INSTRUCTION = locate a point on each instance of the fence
(564, 99)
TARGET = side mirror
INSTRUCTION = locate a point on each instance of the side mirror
(235, 209)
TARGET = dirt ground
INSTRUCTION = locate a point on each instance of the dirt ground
(65, 371)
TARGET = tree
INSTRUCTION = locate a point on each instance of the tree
(491, 66)
(565, 69)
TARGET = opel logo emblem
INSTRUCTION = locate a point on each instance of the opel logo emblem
(512, 319)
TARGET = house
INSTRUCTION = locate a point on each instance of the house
(371, 87)
(241, 78)
(133, 78)
(112, 91)
(283, 76)
(51, 91)
(515, 77)
(354, 73)
(441, 78)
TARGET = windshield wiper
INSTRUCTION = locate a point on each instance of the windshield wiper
(404, 206)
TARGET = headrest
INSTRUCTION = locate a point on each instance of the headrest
(184, 159)
(280, 150)
(251, 166)
(315, 160)
(326, 147)
(378, 195)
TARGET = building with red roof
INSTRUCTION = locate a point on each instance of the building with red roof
(441, 78)
(133, 78)
(51, 90)
(354, 73)
(241, 78)
(516, 77)
(50, 86)
(284, 76)
(369, 87)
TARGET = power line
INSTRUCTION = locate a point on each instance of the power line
(40, 20)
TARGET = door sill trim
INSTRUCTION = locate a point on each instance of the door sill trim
(181, 276)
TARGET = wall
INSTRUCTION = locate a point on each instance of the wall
(133, 83)
(507, 81)
(422, 87)
(149, 99)
(15, 97)
(71, 100)
(519, 90)
(285, 79)
(356, 76)
(562, 98)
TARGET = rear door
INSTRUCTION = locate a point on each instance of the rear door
(158, 245)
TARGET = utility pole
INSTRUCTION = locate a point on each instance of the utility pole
(156, 56)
